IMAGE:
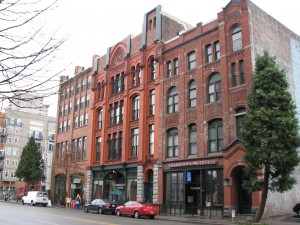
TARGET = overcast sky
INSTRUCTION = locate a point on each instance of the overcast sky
(94, 25)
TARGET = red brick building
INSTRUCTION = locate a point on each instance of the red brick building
(73, 132)
(167, 108)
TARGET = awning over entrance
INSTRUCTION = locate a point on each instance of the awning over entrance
(116, 192)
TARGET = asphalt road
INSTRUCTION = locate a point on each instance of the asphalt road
(38, 215)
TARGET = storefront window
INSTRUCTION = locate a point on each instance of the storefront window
(213, 187)
(174, 188)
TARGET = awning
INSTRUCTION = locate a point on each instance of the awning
(116, 192)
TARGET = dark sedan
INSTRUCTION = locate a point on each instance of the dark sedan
(100, 206)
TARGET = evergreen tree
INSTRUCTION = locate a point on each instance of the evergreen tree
(270, 132)
(31, 166)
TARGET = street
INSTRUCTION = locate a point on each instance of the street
(31, 215)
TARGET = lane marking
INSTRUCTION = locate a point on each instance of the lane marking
(41, 221)
(80, 219)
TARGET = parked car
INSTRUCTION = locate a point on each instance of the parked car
(137, 209)
(100, 206)
(35, 198)
(296, 209)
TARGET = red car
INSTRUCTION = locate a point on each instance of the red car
(137, 209)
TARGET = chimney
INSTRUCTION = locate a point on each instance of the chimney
(63, 79)
(78, 69)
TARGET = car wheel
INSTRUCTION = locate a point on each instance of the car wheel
(152, 217)
(86, 210)
(100, 210)
(136, 214)
(31, 203)
(23, 202)
(298, 212)
(118, 213)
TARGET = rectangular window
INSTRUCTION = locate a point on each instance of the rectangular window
(233, 74)
(68, 126)
(81, 120)
(151, 139)
(98, 149)
(134, 142)
(193, 140)
(152, 102)
(83, 84)
(79, 147)
(169, 71)
(217, 50)
(208, 51)
(65, 126)
(66, 109)
(75, 122)
(76, 104)
(89, 79)
(84, 146)
(175, 67)
(99, 119)
(191, 60)
(242, 72)
(70, 107)
(86, 119)
(87, 100)
(82, 102)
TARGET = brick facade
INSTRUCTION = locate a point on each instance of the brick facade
(197, 157)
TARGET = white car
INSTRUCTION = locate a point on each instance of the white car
(35, 198)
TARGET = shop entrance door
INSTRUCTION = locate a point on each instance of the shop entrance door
(148, 188)
(244, 198)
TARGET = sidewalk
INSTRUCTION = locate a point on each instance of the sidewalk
(214, 220)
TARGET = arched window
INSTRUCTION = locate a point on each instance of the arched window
(236, 38)
(215, 135)
(139, 74)
(100, 118)
(191, 60)
(150, 25)
(99, 91)
(154, 22)
(152, 66)
(192, 139)
(172, 100)
(192, 94)
(239, 117)
(133, 76)
(135, 107)
(172, 142)
(214, 88)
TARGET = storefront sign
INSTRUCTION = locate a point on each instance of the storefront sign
(76, 180)
(193, 163)
(188, 177)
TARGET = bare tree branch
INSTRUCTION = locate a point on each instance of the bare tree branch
(28, 52)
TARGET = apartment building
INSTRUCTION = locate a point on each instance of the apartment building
(20, 124)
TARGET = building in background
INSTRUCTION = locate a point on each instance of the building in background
(2, 141)
(167, 107)
(20, 124)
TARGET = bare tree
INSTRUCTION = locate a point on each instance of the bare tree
(27, 50)
(65, 163)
